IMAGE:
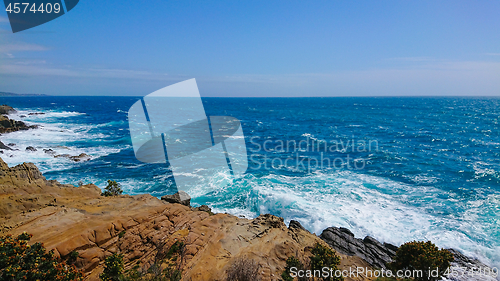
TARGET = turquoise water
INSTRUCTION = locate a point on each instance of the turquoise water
(400, 168)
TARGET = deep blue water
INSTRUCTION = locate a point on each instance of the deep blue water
(400, 168)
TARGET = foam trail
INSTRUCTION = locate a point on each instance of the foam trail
(54, 132)
(365, 204)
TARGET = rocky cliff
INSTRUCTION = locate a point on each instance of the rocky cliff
(67, 218)
(8, 125)
(371, 250)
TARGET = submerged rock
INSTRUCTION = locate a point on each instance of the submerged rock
(31, 148)
(49, 151)
(3, 146)
(62, 155)
(80, 158)
(180, 197)
(36, 113)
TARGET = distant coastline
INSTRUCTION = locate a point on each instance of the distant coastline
(9, 94)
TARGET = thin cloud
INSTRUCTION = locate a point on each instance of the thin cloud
(40, 68)
(443, 78)
(21, 47)
(412, 59)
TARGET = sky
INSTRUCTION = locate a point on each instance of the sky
(259, 49)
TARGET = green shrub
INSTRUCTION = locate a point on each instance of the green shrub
(176, 248)
(113, 268)
(164, 259)
(121, 234)
(72, 257)
(21, 261)
(424, 257)
(170, 273)
(292, 262)
(322, 256)
(112, 189)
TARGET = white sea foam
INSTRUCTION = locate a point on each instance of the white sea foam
(368, 205)
(387, 210)
(53, 133)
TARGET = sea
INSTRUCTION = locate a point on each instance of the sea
(395, 168)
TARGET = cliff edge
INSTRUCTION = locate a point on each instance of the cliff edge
(67, 218)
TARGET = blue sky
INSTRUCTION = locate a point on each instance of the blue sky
(259, 48)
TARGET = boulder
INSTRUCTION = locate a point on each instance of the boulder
(3, 146)
(371, 250)
(80, 158)
(204, 208)
(31, 148)
(463, 266)
(180, 197)
(295, 224)
(5, 109)
(9, 125)
(49, 151)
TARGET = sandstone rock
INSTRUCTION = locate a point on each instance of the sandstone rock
(180, 197)
(31, 148)
(204, 208)
(5, 109)
(369, 249)
(67, 218)
(295, 224)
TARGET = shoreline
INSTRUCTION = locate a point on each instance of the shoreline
(345, 238)
(39, 205)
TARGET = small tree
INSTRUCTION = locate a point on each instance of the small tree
(112, 189)
(422, 256)
(72, 257)
(324, 256)
(21, 261)
(292, 262)
(113, 268)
